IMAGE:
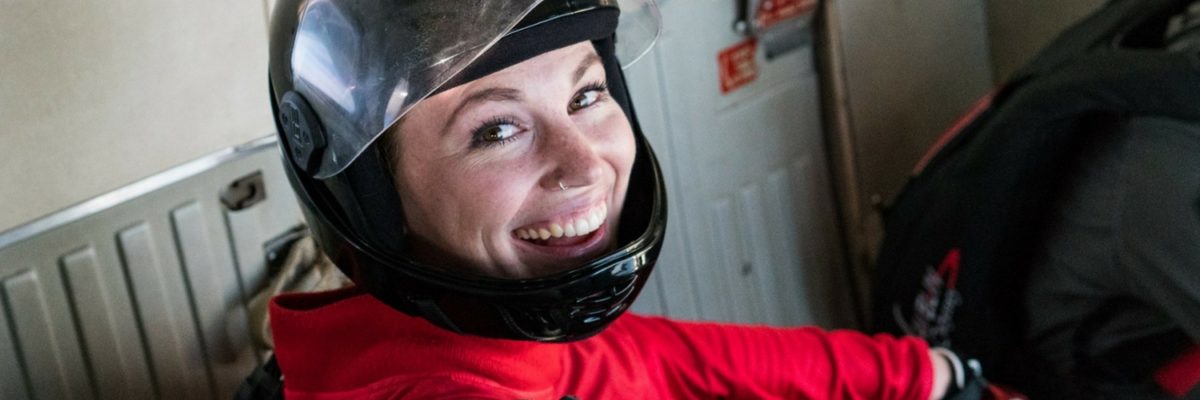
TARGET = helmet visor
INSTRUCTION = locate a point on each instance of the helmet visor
(637, 30)
(362, 65)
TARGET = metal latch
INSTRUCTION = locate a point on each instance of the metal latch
(244, 192)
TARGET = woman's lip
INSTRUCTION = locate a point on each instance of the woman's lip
(594, 241)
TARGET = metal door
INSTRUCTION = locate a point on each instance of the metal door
(752, 234)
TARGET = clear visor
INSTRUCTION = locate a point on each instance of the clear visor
(362, 65)
(637, 30)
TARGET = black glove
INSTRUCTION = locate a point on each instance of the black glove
(967, 382)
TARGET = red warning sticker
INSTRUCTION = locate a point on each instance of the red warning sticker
(737, 65)
(771, 12)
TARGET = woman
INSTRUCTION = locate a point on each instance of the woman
(478, 171)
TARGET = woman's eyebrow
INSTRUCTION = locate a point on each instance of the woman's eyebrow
(510, 94)
(588, 61)
(485, 95)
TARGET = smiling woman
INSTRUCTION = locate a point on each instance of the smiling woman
(479, 173)
(519, 181)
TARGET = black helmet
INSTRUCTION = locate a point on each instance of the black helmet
(343, 71)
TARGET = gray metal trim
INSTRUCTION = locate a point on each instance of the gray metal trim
(844, 161)
(125, 193)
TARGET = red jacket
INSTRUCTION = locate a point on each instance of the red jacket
(347, 345)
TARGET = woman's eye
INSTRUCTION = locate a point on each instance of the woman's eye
(588, 96)
(496, 132)
(584, 99)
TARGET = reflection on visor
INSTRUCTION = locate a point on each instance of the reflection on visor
(316, 65)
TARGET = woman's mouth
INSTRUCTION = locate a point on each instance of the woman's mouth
(568, 230)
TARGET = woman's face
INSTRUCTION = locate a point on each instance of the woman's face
(482, 167)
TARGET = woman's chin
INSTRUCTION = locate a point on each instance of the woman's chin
(554, 255)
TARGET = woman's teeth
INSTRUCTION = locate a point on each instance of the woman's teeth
(579, 226)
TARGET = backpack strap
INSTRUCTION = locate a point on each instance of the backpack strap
(265, 383)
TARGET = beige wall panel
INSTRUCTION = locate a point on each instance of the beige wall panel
(1019, 28)
(97, 94)
(911, 68)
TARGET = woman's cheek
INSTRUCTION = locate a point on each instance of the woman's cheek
(620, 137)
(498, 190)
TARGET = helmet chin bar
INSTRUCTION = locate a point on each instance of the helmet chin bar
(356, 218)
(569, 306)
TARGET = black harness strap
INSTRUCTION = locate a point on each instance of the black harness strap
(266, 383)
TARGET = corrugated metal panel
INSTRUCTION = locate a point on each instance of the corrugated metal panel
(216, 297)
(162, 305)
(13, 379)
(100, 302)
(140, 293)
(51, 357)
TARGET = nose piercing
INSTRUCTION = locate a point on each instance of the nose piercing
(561, 186)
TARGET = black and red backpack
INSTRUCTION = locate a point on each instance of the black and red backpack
(958, 237)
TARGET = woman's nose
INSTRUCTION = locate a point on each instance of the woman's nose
(574, 157)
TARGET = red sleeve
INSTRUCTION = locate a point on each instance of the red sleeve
(704, 360)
